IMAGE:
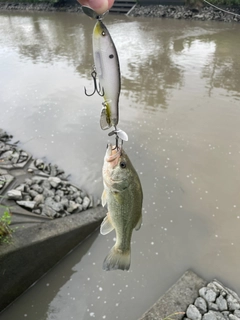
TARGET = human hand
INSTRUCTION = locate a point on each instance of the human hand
(99, 6)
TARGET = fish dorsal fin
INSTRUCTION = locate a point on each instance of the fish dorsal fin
(139, 223)
(106, 225)
(104, 198)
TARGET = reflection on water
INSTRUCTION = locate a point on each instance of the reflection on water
(180, 107)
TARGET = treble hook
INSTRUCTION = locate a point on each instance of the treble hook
(116, 138)
(99, 90)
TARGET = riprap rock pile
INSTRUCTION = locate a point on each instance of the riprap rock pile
(215, 302)
(185, 12)
(50, 197)
(40, 187)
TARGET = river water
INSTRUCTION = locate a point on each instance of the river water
(179, 105)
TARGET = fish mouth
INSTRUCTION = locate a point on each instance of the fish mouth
(113, 152)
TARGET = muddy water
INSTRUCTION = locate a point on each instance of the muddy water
(180, 105)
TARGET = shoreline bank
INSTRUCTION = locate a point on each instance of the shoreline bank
(205, 13)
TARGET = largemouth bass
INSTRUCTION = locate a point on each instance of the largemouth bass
(108, 71)
(123, 196)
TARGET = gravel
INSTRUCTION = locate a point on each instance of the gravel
(52, 197)
(41, 188)
(215, 302)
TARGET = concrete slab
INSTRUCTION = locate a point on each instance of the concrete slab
(37, 245)
(176, 300)
(38, 241)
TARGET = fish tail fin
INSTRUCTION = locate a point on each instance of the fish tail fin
(117, 259)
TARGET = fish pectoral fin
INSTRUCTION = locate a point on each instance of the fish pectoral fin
(139, 223)
(104, 198)
(106, 225)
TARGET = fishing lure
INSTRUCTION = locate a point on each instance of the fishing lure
(107, 69)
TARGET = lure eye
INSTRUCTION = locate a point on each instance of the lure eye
(103, 33)
(123, 164)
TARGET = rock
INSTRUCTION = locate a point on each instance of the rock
(30, 170)
(22, 158)
(237, 313)
(73, 189)
(53, 170)
(57, 198)
(54, 181)
(226, 314)
(14, 194)
(46, 184)
(27, 204)
(29, 182)
(91, 202)
(64, 202)
(33, 193)
(37, 180)
(233, 293)
(37, 188)
(209, 316)
(201, 304)
(233, 304)
(39, 199)
(63, 176)
(49, 212)
(48, 193)
(83, 194)
(76, 194)
(219, 315)
(57, 206)
(178, 15)
(27, 188)
(212, 306)
(39, 163)
(72, 206)
(79, 200)
(233, 317)
(59, 193)
(193, 313)
(37, 211)
(27, 197)
(86, 202)
(221, 303)
(208, 294)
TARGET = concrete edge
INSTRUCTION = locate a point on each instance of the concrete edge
(31, 254)
(175, 301)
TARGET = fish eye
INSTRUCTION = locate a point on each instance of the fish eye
(123, 164)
